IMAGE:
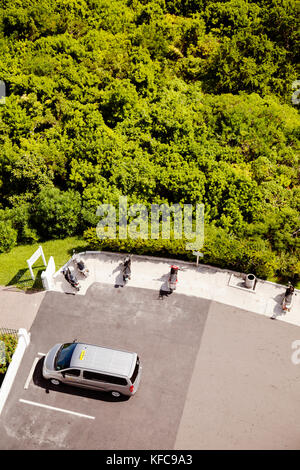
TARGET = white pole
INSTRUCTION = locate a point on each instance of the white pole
(30, 270)
(197, 253)
(42, 255)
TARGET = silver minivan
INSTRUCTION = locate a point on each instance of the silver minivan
(93, 367)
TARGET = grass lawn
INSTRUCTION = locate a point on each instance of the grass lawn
(14, 270)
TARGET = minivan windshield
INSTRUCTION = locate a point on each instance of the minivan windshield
(64, 355)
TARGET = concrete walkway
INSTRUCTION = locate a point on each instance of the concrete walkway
(18, 308)
(203, 281)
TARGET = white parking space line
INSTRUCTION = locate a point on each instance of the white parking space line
(41, 354)
(31, 372)
(41, 405)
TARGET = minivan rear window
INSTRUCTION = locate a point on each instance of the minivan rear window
(136, 371)
(64, 356)
(104, 378)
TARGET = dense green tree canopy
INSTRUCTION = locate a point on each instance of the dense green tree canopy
(183, 101)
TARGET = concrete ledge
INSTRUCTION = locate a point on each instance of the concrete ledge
(205, 281)
(158, 259)
(23, 342)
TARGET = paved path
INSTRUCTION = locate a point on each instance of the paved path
(203, 281)
(18, 308)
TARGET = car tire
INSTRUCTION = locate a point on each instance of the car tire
(55, 382)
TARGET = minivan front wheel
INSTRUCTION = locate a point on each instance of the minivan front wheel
(116, 394)
(55, 381)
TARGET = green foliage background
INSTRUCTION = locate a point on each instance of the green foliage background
(183, 101)
(10, 342)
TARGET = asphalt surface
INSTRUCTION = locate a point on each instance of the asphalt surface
(245, 389)
(166, 333)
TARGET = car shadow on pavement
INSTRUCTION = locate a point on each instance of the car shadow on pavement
(39, 381)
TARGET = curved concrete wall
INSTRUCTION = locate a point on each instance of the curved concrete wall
(23, 342)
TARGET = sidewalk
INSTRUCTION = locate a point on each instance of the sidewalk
(18, 308)
(204, 281)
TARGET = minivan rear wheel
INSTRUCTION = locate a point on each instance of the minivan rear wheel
(55, 381)
(115, 394)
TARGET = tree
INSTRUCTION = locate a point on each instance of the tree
(118, 99)
(57, 213)
(8, 236)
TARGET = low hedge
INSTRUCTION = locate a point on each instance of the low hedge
(10, 341)
(219, 250)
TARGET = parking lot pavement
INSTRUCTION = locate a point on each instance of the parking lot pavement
(166, 333)
(245, 389)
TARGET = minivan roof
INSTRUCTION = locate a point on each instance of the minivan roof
(102, 359)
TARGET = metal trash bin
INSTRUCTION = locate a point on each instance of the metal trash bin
(250, 281)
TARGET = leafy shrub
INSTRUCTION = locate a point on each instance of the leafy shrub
(10, 342)
(220, 249)
(139, 246)
(8, 236)
(19, 219)
(57, 212)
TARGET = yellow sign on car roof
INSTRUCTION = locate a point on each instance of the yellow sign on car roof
(82, 355)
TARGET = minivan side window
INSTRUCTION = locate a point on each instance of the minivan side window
(91, 375)
(72, 372)
(118, 381)
(104, 378)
